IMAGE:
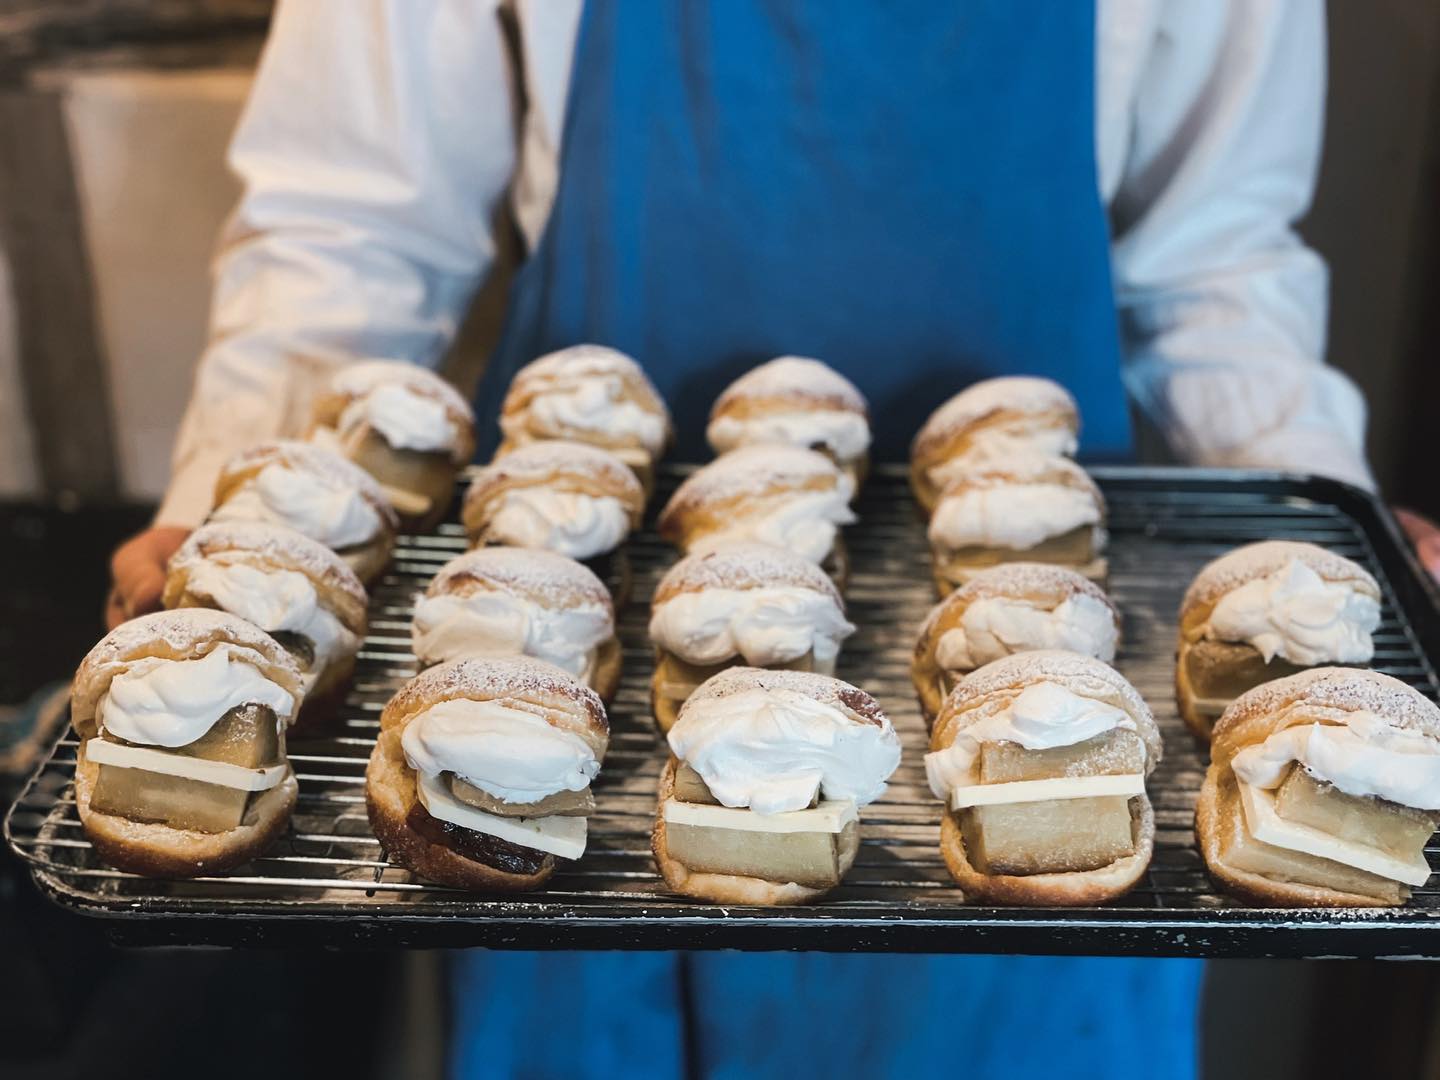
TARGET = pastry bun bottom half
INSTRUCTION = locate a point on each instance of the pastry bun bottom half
(724, 888)
(1218, 813)
(156, 850)
(389, 798)
(1202, 726)
(1073, 889)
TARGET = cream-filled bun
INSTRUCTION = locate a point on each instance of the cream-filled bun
(589, 394)
(294, 588)
(480, 778)
(760, 801)
(1035, 509)
(991, 422)
(181, 716)
(503, 601)
(750, 605)
(403, 424)
(313, 491)
(794, 401)
(784, 496)
(1056, 743)
(1010, 608)
(1323, 790)
(1264, 611)
(566, 497)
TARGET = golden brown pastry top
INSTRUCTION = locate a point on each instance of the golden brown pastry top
(270, 547)
(992, 402)
(748, 475)
(792, 383)
(183, 634)
(542, 577)
(560, 466)
(333, 468)
(352, 381)
(744, 566)
(825, 689)
(1030, 469)
(570, 367)
(1254, 561)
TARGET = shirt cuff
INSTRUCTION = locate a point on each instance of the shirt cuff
(191, 493)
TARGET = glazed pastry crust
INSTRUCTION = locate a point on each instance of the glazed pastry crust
(1041, 585)
(1074, 889)
(155, 850)
(184, 634)
(724, 888)
(560, 466)
(1318, 695)
(390, 796)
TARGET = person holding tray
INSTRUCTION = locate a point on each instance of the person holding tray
(920, 197)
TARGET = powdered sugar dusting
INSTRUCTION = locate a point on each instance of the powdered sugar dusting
(1344, 689)
(1253, 561)
(794, 378)
(357, 380)
(745, 566)
(1027, 394)
(821, 688)
(543, 462)
(1019, 581)
(580, 362)
(332, 468)
(484, 679)
(289, 549)
(551, 580)
(1026, 469)
(751, 470)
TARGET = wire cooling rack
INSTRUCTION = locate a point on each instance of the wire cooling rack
(327, 882)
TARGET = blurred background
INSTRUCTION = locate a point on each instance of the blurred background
(114, 116)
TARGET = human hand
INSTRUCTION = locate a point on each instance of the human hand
(1425, 535)
(137, 572)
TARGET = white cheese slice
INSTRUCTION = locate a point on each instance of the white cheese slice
(222, 773)
(406, 502)
(1270, 828)
(1054, 790)
(831, 816)
(562, 836)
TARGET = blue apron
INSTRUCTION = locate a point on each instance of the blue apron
(907, 191)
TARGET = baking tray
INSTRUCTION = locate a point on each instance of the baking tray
(327, 883)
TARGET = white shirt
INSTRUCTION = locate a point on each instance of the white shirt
(383, 136)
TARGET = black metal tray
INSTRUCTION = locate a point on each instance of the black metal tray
(327, 884)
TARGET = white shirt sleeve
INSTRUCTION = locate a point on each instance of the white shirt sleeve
(1222, 306)
(376, 147)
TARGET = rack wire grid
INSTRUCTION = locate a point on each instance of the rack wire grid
(327, 881)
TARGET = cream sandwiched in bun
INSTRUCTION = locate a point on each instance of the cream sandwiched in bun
(294, 588)
(504, 601)
(589, 394)
(991, 423)
(1029, 509)
(1041, 759)
(404, 425)
(747, 605)
(785, 496)
(182, 769)
(314, 491)
(761, 799)
(480, 778)
(795, 401)
(1007, 609)
(1264, 611)
(1323, 790)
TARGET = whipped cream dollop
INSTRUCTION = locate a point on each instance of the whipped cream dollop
(275, 600)
(846, 435)
(487, 623)
(994, 627)
(1363, 756)
(1297, 615)
(771, 625)
(1001, 443)
(805, 523)
(405, 419)
(337, 516)
(1042, 716)
(514, 755)
(594, 403)
(160, 702)
(567, 522)
(773, 750)
(1015, 516)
